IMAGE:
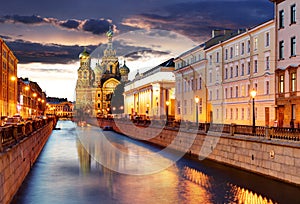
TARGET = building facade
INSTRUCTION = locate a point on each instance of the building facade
(95, 87)
(60, 107)
(248, 63)
(287, 15)
(190, 75)
(151, 94)
(8, 81)
(31, 99)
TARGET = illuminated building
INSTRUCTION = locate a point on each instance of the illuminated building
(287, 15)
(248, 63)
(95, 87)
(8, 81)
(152, 93)
(190, 74)
(60, 107)
(31, 98)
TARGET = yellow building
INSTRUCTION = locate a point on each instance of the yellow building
(8, 81)
(152, 93)
(31, 98)
(248, 63)
(190, 77)
(62, 109)
(95, 87)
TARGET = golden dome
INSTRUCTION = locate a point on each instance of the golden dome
(84, 54)
(124, 70)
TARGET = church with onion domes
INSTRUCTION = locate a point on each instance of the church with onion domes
(95, 86)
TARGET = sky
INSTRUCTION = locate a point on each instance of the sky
(48, 36)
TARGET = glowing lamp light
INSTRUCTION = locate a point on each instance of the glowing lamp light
(197, 99)
(13, 78)
(253, 93)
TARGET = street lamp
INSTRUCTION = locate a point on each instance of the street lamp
(167, 109)
(253, 94)
(197, 101)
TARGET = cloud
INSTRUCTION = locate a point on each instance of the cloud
(22, 19)
(197, 19)
(28, 52)
(94, 26)
(5, 37)
(72, 24)
(142, 54)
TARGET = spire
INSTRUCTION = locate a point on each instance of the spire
(109, 51)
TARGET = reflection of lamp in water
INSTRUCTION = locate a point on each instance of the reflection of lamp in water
(253, 94)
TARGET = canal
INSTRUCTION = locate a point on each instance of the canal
(88, 165)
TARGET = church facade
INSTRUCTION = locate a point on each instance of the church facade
(95, 87)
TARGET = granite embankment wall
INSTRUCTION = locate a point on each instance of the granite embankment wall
(277, 159)
(16, 162)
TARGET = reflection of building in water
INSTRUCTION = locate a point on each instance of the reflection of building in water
(95, 87)
(84, 158)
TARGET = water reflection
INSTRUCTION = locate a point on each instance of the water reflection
(68, 172)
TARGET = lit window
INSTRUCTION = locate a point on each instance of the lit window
(293, 82)
(281, 84)
(255, 43)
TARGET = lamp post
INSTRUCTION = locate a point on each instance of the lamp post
(167, 109)
(253, 94)
(197, 101)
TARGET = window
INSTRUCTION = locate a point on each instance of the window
(226, 114)
(226, 54)
(249, 67)
(267, 39)
(236, 113)
(293, 14)
(236, 91)
(210, 60)
(231, 52)
(98, 95)
(192, 84)
(242, 69)
(184, 85)
(217, 94)
(281, 49)
(236, 50)
(200, 83)
(243, 113)
(281, 19)
(98, 105)
(248, 46)
(267, 63)
(242, 48)
(248, 113)
(293, 82)
(226, 73)
(281, 84)
(255, 66)
(210, 95)
(255, 43)
(191, 106)
(236, 70)
(231, 92)
(231, 114)
(293, 46)
(231, 72)
(255, 87)
(248, 89)
(178, 107)
(267, 87)
(200, 106)
(196, 84)
(226, 93)
(210, 77)
(184, 107)
(217, 113)
(217, 57)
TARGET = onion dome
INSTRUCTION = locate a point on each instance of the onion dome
(84, 54)
(124, 70)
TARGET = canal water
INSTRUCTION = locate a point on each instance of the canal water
(76, 166)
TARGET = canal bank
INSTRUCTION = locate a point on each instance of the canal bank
(17, 159)
(68, 171)
(277, 159)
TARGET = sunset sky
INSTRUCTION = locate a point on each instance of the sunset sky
(47, 36)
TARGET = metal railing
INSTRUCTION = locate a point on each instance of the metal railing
(12, 134)
(292, 134)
